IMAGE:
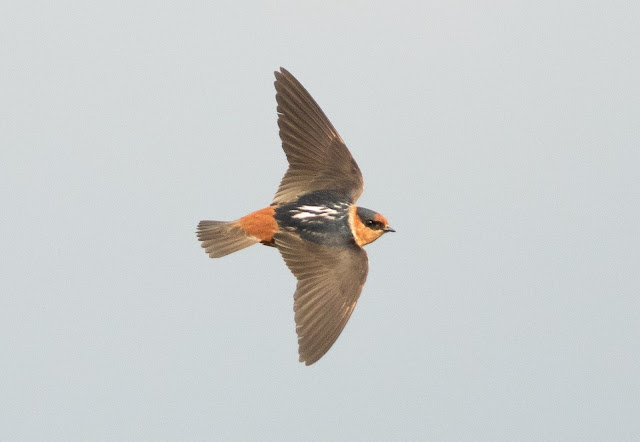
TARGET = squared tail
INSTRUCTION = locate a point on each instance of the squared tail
(219, 238)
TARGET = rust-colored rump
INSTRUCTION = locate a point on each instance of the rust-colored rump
(260, 224)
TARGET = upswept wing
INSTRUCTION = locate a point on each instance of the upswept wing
(318, 158)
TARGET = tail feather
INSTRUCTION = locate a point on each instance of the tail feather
(219, 238)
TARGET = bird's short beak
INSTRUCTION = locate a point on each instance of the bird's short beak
(388, 229)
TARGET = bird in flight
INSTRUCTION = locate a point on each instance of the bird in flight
(313, 221)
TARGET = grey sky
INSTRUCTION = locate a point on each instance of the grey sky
(499, 138)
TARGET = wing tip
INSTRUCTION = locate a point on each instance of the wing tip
(284, 76)
(308, 361)
(282, 73)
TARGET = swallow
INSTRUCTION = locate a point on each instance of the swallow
(313, 221)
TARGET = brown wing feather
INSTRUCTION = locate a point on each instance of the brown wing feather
(330, 280)
(318, 158)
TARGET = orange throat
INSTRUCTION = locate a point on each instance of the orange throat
(361, 233)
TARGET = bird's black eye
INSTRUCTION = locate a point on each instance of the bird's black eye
(370, 222)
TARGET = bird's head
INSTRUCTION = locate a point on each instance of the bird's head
(368, 226)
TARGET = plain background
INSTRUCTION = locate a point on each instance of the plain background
(500, 139)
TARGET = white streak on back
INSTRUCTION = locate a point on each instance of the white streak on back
(314, 211)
